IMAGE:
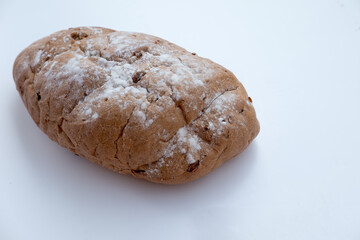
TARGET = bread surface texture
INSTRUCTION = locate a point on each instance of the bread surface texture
(135, 103)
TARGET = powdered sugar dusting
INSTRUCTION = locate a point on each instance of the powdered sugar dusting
(224, 103)
(37, 57)
(95, 116)
(222, 108)
(120, 74)
(96, 30)
(88, 112)
(74, 70)
(187, 143)
(184, 142)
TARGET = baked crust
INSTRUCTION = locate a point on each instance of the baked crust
(135, 103)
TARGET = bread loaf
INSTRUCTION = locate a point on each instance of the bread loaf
(135, 103)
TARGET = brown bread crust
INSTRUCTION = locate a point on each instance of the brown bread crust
(135, 103)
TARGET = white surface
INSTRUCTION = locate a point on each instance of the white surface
(300, 179)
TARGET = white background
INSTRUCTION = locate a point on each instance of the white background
(300, 178)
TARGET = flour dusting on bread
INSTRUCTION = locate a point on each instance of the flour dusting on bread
(135, 103)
